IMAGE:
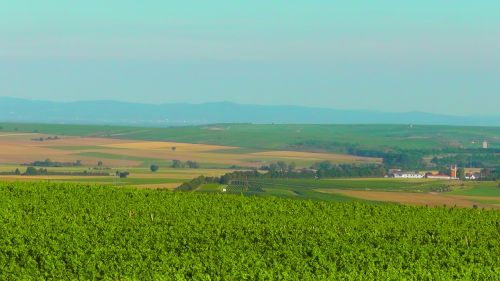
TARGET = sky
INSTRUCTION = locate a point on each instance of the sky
(427, 55)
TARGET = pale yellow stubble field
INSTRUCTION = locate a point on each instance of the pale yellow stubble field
(20, 148)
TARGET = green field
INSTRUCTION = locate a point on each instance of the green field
(308, 188)
(356, 184)
(288, 136)
(421, 192)
(211, 188)
(68, 231)
(480, 189)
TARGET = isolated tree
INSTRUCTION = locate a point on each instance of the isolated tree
(17, 171)
(99, 164)
(31, 171)
(282, 167)
(192, 164)
(273, 168)
(174, 148)
(176, 164)
(224, 179)
(122, 175)
(154, 167)
(461, 173)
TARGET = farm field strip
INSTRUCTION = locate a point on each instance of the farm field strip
(359, 184)
(411, 192)
(412, 198)
(486, 190)
(155, 145)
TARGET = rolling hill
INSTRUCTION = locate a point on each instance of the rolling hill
(122, 113)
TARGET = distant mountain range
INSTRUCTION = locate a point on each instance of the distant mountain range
(114, 112)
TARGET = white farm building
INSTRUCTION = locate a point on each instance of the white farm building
(407, 175)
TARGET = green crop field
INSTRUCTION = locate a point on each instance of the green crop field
(70, 231)
(211, 188)
(487, 189)
(355, 184)
(308, 188)
(288, 136)
(381, 190)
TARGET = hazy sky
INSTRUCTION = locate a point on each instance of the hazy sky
(427, 55)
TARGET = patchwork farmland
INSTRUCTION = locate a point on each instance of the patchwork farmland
(137, 156)
(222, 149)
(20, 148)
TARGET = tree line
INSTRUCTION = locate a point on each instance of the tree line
(49, 163)
(32, 171)
(281, 169)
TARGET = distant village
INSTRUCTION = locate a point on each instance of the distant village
(453, 174)
(397, 173)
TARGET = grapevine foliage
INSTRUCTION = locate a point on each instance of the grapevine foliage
(69, 231)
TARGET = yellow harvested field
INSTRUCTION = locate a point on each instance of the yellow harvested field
(152, 145)
(316, 156)
(158, 186)
(185, 174)
(411, 198)
(81, 141)
(20, 149)
(17, 134)
(50, 177)
(20, 153)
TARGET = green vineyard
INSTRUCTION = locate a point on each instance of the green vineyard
(72, 231)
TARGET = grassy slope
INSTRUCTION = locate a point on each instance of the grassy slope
(284, 136)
